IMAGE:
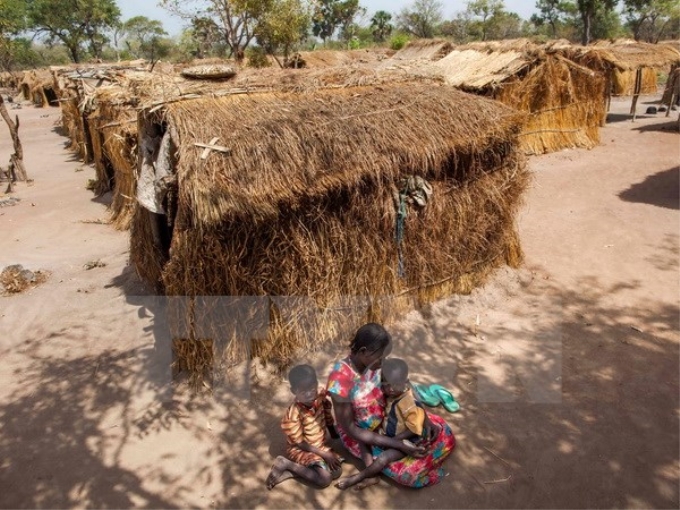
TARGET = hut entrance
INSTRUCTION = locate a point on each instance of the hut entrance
(51, 96)
(157, 184)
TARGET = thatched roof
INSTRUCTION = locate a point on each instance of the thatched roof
(285, 147)
(336, 58)
(627, 56)
(423, 49)
(472, 69)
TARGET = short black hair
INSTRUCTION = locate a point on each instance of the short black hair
(372, 336)
(302, 376)
(395, 371)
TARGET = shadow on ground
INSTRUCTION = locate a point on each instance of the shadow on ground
(567, 401)
(661, 189)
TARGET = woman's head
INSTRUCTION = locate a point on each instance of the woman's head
(371, 344)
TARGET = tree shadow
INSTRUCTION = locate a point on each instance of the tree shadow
(661, 189)
(563, 381)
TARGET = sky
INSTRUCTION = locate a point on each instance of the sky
(173, 25)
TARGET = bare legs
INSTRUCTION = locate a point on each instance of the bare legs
(283, 469)
(369, 475)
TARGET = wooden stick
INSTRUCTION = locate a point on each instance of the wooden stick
(501, 480)
(16, 161)
(636, 91)
(499, 458)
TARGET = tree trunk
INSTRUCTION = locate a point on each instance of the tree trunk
(16, 160)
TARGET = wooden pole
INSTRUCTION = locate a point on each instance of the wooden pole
(636, 91)
(16, 161)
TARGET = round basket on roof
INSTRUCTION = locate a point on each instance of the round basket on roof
(209, 72)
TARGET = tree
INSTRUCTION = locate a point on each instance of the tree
(488, 13)
(74, 22)
(422, 19)
(381, 26)
(328, 15)
(552, 12)
(11, 24)
(588, 11)
(283, 27)
(650, 19)
(145, 38)
(234, 19)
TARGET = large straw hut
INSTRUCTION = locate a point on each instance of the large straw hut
(565, 101)
(330, 207)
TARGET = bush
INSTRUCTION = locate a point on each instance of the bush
(257, 57)
(398, 41)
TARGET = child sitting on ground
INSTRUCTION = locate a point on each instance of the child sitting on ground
(308, 454)
(404, 419)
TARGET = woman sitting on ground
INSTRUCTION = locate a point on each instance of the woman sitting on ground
(359, 403)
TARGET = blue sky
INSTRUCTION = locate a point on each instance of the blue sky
(173, 25)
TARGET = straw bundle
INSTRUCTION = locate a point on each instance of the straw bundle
(300, 207)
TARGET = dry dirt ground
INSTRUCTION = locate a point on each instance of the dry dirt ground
(566, 369)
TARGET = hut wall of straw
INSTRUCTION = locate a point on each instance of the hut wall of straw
(304, 205)
(566, 101)
(623, 82)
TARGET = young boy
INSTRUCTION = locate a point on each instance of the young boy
(308, 455)
(404, 419)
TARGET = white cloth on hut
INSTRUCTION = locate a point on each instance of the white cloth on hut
(155, 166)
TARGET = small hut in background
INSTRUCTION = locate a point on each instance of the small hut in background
(636, 65)
(38, 86)
(349, 204)
(565, 101)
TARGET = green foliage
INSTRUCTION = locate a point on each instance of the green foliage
(381, 26)
(652, 20)
(233, 21)
(422, 19)
(283, 27)
(144, 38)
(75, 23)
(328, 15)
(398, 41)
(257, 57)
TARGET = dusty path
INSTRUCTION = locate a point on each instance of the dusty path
(567, 369)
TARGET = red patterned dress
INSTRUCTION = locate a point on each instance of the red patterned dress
(364, 393)
(308, 424)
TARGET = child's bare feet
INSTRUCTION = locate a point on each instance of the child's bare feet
(279, 473)
(356, 481)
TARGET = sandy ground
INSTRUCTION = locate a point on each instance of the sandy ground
(567, 369)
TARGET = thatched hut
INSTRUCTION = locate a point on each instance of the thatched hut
(566, 101)
(358, 202)
(631, 61)
(38, 86)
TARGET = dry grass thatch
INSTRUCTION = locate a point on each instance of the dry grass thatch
(422, 49)
(566, 101)
(336, 58)
(299, 212)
